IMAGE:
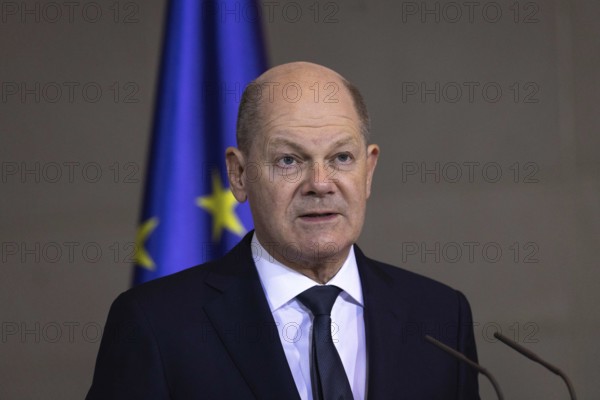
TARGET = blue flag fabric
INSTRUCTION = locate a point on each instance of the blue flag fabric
(211, 51)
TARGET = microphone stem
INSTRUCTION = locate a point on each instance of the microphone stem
(465, 359)
(569, 386)
(534, 357)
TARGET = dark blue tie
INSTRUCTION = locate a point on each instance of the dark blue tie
(329, 380)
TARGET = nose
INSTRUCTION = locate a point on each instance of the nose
(319, 180)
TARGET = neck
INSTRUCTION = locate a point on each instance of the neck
(320, 269)
(320, 272)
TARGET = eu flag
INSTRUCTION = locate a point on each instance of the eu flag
(211, 51)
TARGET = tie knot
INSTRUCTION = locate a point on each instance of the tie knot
(320, 299)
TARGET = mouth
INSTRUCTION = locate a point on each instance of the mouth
(318, 216)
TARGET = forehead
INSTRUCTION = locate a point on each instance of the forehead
(311, 90)
(313, 142)
(320, 104)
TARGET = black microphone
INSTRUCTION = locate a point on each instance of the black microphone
(532, 356)
(470, 362)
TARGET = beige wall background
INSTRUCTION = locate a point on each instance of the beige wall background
(489, 177)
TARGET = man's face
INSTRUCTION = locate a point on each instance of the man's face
(308, 176)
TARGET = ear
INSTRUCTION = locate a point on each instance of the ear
(235, 172)
(372, 157)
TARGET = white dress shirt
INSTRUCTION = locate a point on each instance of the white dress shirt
(293, 320)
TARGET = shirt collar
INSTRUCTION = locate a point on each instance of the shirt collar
(282, 284)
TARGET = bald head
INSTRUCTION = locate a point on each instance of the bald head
(298, 70)
(295, 84)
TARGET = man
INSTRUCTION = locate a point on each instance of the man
(249, 326)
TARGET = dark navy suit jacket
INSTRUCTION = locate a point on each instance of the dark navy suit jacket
(208, 333)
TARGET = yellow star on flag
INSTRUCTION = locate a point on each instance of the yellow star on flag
(221, 204)
(141, 256)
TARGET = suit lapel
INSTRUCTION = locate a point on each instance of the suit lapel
(385, 316)
(242, 319)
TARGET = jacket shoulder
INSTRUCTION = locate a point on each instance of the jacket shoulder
(200, 281)
(409, 280)
(409, 287)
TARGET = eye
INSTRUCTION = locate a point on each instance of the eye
(286, 161)
(343, 158)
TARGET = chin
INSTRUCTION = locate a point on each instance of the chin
(326, 246)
